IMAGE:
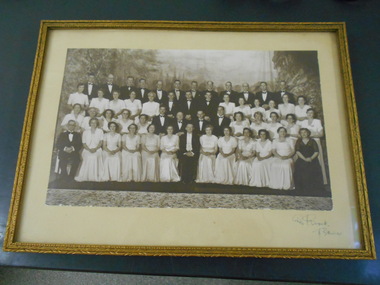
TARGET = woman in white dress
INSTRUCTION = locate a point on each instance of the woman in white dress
(131, 156)
(91, 167)
(245, 154)
(281, 171)
(273, 126)
(316, 129)
(257, 124)
(111, 154)
(143, 124)
(108, 117)
(133, 105)
(272, 108)
(262, 163)
(169, 161)
(257, 108)
(301, 109)
(124, 121)
(79, 98)
(292, 128)
(285, 108)
(224, 164)
(117, 105)
(228, 106)
(150, 145)
(100, 103)
(206, 163)
(76, 116)
(238, 125)
(243, 108)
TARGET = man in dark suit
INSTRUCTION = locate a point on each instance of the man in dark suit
(142, 91)
(248, 96)
(172, 106)
(264, 95)
(127, 89)
(220, 122)
(234, 96)
(200, 123)
(179, 94)
(161, 122)
(90, 88)
(210, 88)
(188, 154)
(197, 96)
(189, 107)
(69, 144)
(109, 87)
(161, 95)
(208, 105)
(283, 90)
(179, 124)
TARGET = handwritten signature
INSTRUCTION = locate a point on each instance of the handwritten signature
(321, 227)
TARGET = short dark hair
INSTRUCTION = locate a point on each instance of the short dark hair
(270, 115)
(113, 123)
(279, 129)
(80, 84)
(106, 110)
(263, 131)
(250, 131)
(133, 124)
(304, 129)
(241, 113)
(291, 115)
(301, 96)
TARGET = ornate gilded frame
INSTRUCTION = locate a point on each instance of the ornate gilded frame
(367, 250)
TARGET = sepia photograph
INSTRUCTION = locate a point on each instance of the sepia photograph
(182, 128)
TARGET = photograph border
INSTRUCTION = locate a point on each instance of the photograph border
(367, 250)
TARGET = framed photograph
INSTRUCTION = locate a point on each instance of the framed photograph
(191, 139)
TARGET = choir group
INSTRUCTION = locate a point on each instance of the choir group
(128, 133)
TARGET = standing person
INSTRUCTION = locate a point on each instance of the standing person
(194, 92)
(69, 143)
(273, 126)
(131, 156)
(161, 95)
(161, 122)
(100, 103)
(246, 151)
(109, 87)
(143, 124)
(151, 108)
(307, 170)
(208, 105)
(169, 161)
(220, 122)
(179, 124)
(206, 164)
(247, 95)
(188, 154)
(150, 145)
(257, 124)
(225, 160)
(243, 108)
(142, 91)
(316, 129)
(90, 88)
(228, 90)
(210, 88)
(264, 95)
(133, 105)
(111, 154)
(281, 171)
(228, 106)
(179, 95)
(262, 163)
(78, 98)
(116, 105)
(76, 116)
(285, 108)
(108, 116)
(124, 121)
(200, 123)
(189, 107)
(91, 167)
(283, 90)
(238, 125)
(128, 88)
(301, 109)
(172, 106)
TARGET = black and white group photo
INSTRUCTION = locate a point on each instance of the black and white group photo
(202, 122)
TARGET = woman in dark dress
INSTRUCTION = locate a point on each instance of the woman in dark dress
(307, 170)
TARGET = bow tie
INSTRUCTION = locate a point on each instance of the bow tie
(264, 92)
(201, 120)
(245, 93)
(179, 122)
(162, 116)
(188, 100)
(109, 83)
(71, 133)
(221, 117)
(159, 90)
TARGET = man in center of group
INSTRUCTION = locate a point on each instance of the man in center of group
(188, 154)
(179, 94)
(161, 122)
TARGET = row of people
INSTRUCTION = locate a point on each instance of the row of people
(227, 160)
(91, 90)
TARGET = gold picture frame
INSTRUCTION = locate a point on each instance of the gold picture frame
(19, 237)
